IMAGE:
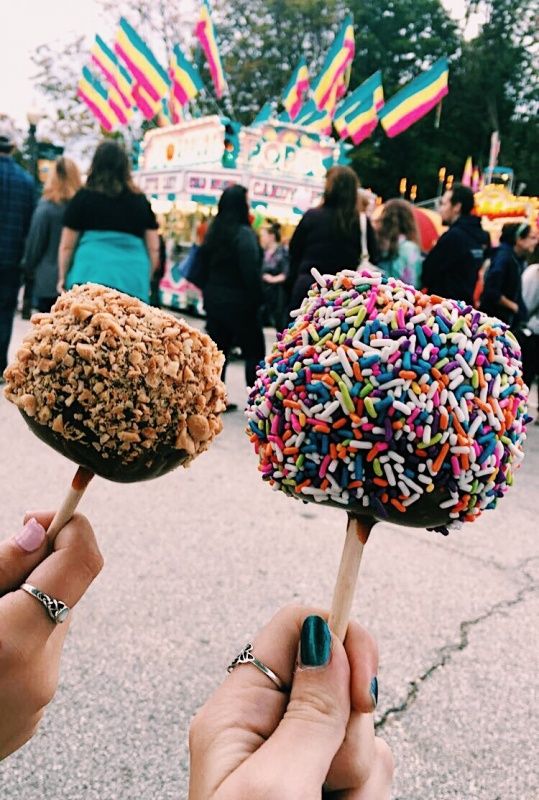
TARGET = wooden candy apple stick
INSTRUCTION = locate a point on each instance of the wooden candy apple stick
(357, 533)
(81, 480)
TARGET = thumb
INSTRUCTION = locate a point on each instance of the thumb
(314, 725)
(21, 553)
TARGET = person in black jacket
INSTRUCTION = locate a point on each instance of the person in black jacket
(502, 292)
(232, 290)
(452, 267)
(327, 237)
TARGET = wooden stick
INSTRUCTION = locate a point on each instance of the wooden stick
(81, 480)
(357, 533)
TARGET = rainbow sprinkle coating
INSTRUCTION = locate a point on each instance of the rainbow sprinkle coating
(378, 396)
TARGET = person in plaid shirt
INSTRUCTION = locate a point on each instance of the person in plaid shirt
(17, 200)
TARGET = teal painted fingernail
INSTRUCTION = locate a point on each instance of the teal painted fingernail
(374, 691)
(315, 648)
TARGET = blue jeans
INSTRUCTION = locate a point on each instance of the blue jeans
(10, 282)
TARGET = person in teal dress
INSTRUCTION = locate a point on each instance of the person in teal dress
(110, 231)
(399, 243)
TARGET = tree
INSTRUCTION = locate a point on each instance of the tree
(261, 42)
(495, 87)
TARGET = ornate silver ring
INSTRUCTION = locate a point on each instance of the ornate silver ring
(56, 609)
(247, 657)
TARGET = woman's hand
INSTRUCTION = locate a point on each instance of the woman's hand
(251, 740)
(30, 642)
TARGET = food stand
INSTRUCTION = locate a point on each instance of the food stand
(184, 168)
(497, 205)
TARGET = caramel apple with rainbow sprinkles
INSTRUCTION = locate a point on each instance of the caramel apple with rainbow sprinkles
(392, 405)
(126, 391)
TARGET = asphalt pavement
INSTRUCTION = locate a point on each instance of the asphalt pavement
(198, 560)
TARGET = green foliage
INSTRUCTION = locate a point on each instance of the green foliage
(261, 41)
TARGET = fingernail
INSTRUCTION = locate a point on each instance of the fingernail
(315, 646)
(374, 691)
(31, 537)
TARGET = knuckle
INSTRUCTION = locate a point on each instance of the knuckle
(42, 693)
(317, 708)
(6, 572)
(198, 729)
(28, 674)
(91, 563)
(387, 762)
(12, 657)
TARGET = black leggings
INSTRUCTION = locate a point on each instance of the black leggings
(244, 331)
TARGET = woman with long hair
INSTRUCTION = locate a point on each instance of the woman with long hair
(328, 237)
(110, 231)
(399, 243)
(41, 255)
(502, 290)
(231, 262)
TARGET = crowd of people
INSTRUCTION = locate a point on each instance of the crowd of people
(106, 232)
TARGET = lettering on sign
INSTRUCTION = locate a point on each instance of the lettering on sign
(214, 184)
(150, 184)
(294, 159)
(268, 190)
(196, 182)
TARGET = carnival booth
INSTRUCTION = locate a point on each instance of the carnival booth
(281, 157)
(497, 205)
(184, 168)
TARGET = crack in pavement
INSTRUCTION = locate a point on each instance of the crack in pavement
(445, 653)
(442, 543)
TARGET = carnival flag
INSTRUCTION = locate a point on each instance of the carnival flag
(265, 113)
(146, 104)
(116, 74)
(467, 175)
(332, 79)
(170, 112)
(370, 87)
(369, 93)
(141, 62)
(415, 99)
(205, 33)
(186, 80)
(476, 179)
(116, 103)
(311, 117)
(175, 109)
(359, 122)
(296, 89)
(95, 95)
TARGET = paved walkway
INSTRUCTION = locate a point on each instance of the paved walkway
(196, 561)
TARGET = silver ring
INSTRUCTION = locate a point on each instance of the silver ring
(56, 609)
(247, 657)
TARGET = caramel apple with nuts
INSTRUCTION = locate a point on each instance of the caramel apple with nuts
(125, 390)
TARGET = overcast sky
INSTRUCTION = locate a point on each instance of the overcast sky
(29, 23)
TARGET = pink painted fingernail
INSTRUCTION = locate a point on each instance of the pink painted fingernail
(32, 536)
